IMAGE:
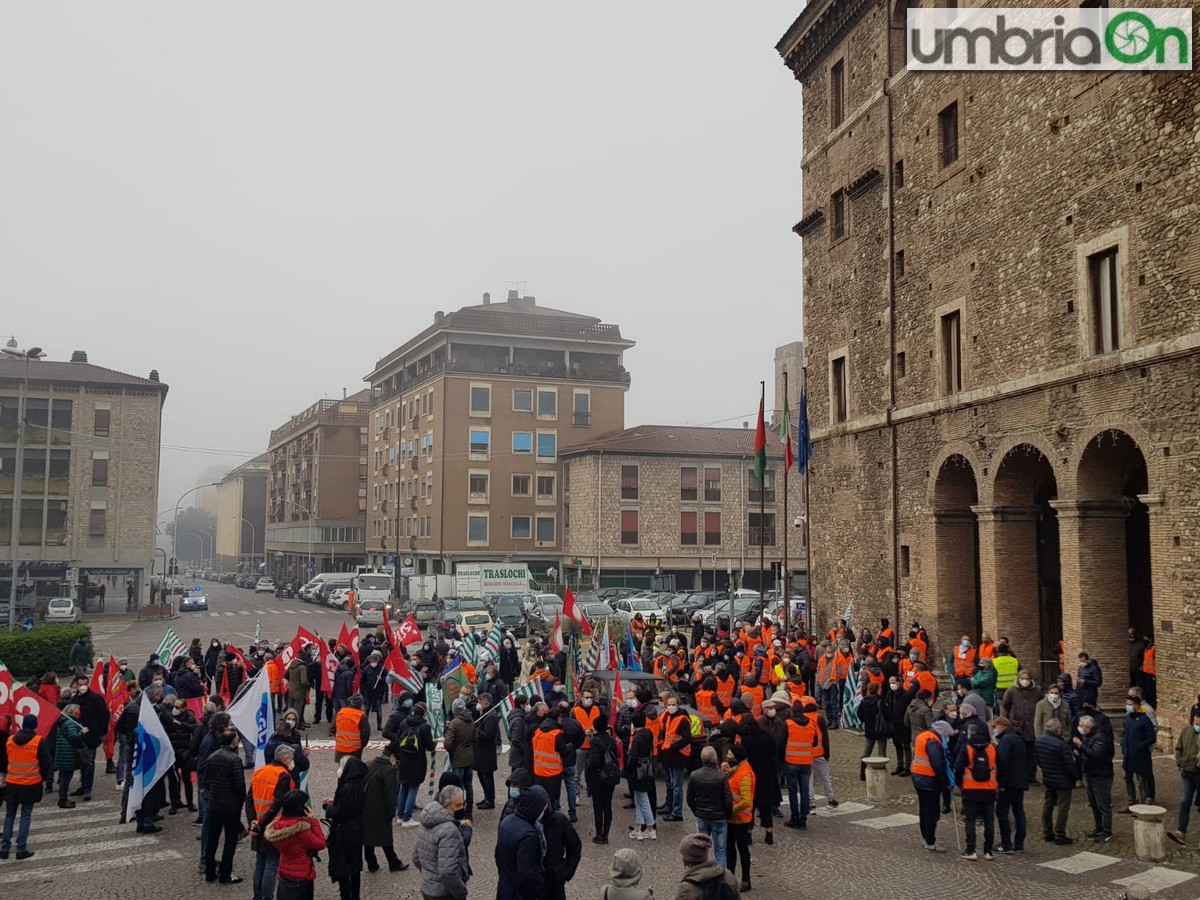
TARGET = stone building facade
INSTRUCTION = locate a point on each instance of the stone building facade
(90, 475)
(680, 501)
(1002, 326)
(241, 516)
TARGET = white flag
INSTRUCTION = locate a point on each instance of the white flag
(153, 756)
(252, 715)
(604, 660)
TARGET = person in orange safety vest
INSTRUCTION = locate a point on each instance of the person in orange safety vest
(351, 729)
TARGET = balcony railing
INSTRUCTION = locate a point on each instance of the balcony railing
(548, 370)
(762, 537)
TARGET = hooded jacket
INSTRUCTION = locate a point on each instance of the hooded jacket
(441, 855)
(564, 850)
(519, 853)
(696, 878)
(297, 679)
(626, 875)
(296, 840)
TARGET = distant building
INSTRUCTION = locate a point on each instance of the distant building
(317, 489)
(89, 479)
(682, 501)
(241, 517)
(468, 422)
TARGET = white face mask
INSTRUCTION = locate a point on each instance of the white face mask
(587, 701)
(1054, 699)
(894, 687)
(672, 709)
(1025, 682)
(769, 713)
(631, 702)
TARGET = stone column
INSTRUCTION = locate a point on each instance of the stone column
(1168, 611)
(1008, 579)
(1094, 589)
(953, 591)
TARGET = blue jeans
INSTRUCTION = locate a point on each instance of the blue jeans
(266, 867)
(798, 781)
(10, 816)
(1011, 801)
(718, 830)
(572, 783)
(406, 801)
(1188, 783)
(643, 809)
(203, 816)
(674, 801)
(831, 702)
(468, 788)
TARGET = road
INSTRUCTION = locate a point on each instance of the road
(856, 851)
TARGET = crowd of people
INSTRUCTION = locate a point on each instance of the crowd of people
(740, 721)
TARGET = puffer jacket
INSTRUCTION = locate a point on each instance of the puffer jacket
(1057, 762)
(519, 849)
(226, 780)
(518, 747)
(441, 854)
(67, 744)
(1096, 753)
(296, 840)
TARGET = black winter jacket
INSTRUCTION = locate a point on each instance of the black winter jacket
(1096, 753)
(1012, 765)
(1057, 761)
(709, 796)
(226, 781)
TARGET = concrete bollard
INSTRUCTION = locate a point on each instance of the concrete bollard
(876, 778)
(1149, 833)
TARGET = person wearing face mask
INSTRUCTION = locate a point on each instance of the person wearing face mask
(894, 702)
(1051, 707)
(95, 719)
(487, 749)
(180, 723)
(1137, 743)
(225, 780)
(268, 786)
(1012, 775)
(962, 688)
(1019, 706)
(212, 662)
(1059, 771)
(521, 847)
(1095, 749)
(907, 669)
(563, 851)
(983, 685)
(1187, 760)
(345, 815)
(675, 750)
(1006, 665)
(287, 734)
(415, 741)
(876, 726)
(153, 667)
(965, 657)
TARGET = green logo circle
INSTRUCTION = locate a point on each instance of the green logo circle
(1131, 37)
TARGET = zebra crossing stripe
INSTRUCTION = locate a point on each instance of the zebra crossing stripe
(109, 817)
(84, 834)
(215, 615)
(97, 847)
(27, 873)
(230, 614)
(81, 809)
(243, 612)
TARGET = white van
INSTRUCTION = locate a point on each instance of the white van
(308, 593)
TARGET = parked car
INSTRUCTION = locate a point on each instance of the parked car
(541, 611)
(744, 608)
(194, 601)
(373, 612)
(173, 586)
(264, 586)
(683, 610)
(339, 598)
(424, 611)
(596, 612)
(624, 610)
(509, 613)
(474, 620)
(325, 594)
(63, 609)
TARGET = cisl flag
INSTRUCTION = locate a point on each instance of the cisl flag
(26, 702)
(408, 632)
(404, 678)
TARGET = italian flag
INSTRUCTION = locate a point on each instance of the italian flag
(760, 444)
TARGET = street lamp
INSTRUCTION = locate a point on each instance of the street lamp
(212, 543)
(307, 512)
(175, 526)
(253, 539)
(32, 353)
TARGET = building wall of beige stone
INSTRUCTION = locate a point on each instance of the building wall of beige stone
(952, 482)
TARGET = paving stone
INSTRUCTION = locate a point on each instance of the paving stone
(1160, 878)
(1080, 862)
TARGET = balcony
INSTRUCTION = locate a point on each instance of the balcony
(762, 537)
(472, 365)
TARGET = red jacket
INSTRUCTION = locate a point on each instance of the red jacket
(294, 838)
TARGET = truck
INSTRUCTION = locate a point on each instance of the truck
(478, 580)
(374, 583)
(426, 587)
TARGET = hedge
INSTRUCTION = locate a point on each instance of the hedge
(46, 647)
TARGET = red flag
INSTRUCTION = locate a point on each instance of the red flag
(224, 691)
(408, 632)
(96, 685)
(571, 611)
(618, 696)
(406, 679)
(26, 702)
(345, 640)
(196, 705)
(241, 657)
(556, 636)
(116, 692)
(6, 698)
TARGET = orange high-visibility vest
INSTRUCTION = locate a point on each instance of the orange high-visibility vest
(927, 680)
(888, 633)
(675, 738)
(796, 689)
(906, 672)
(263, 786)
(969, 783)
(706, 707)
(587, 718)
(547, 762)
(1149, 667)
(920, 758)
(348, 739)
(725, 688)
(741, 785)
(756, 693)
(799, 748)
(987, 650)
(817, 744)
(23, 767)
(873, 677)
(921, 647)
(964, 662)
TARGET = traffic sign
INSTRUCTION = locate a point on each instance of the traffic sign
(407, 571)
(391, 560)
(311, 565)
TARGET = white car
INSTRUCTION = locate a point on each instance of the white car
(193, 602)
(479, 621)
(63, 609)
(265, 586)
(340, 599)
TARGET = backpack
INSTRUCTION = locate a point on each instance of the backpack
(981, 769)
(714, 889)
(409, 741)
(610, 771)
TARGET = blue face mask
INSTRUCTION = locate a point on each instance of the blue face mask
(408, 704)
(1128, 707)
(514, 792)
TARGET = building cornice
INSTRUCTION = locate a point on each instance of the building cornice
(820, 27)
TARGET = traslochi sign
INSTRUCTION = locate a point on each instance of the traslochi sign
(486, 579)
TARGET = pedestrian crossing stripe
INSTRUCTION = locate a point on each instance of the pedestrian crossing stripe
(894, 821)
(109, 817)
(845, 808)
(1079, 863)
(1157, 879)
(96, 847)
(26, 872)
(83, 834)
(78, 810)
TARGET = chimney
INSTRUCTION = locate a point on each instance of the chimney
(530, 302)
(343, 393)
(487, 298)
(746, 425)
(438, 317)
(514, 298)
(79, 356)
(154, 375)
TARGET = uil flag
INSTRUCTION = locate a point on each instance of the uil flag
(605, 658)
(556, 636)
(571, 611)
(804, 445)
(153, 756)
(252, 715)
(408, 632)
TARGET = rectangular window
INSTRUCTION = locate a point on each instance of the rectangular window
(898, 174)
(687, 483)
(547, 403)
(581, 414)
(840, 389)
(762, 530)
(96, 521)
(712, 483)
(547, 445)
(763, 492)
(899, 263)
(952, 353)
(478, 485)
(687, 529)
(629, 526)
(545, 487)
(629, 482)
(545, 529)
(901, 364)
(522, 485)
(712, 529)
(1105, 297)
(522, 442)
(521, 528)
(481, 400)
(99, 472)
(905, 560)
(477, 529)
(522, 400)
(837, 216)
(101, 426)
(837, 93)
(948, 133)
(481, 442)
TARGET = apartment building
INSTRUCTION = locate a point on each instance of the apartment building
(89, 475)
(1002, 323)
(317, 489)
(468, 421)
(682, 501)
(241, 517)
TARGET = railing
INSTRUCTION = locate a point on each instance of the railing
(382, 393)
(762, 537)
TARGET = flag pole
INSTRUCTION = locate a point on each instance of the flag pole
(810, 605)
(784, 569)
(762, 513)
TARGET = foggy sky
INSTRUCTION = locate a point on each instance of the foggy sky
(261, 199)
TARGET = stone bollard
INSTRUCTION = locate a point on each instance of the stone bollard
(876, 778)
(1149, 832)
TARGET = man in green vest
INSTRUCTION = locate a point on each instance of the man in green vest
(1006, 666)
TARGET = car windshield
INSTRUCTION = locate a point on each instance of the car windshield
(597, 610)
(372, 604)
(552, 606)
(59, 604)
(471, 604)
(508, 608)
(374, 582)
(476, 620)
(645, 604)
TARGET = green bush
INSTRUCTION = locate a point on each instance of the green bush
(45, 647)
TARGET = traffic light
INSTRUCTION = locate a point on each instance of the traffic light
(173, 568)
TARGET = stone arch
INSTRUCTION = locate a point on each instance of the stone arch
(1102, 425)
(954, 448)
(954, 573)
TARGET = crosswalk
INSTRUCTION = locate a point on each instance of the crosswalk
(305, 611)
(62, 845)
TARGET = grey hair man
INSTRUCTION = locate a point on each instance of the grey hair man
(441, 851)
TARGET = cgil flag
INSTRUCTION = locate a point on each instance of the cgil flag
(408, 632)
(153, 756)
(572, 611)
(760, 443)
(785, 435)
(252, 714)
(170, 647)
(556, 636)
(804, 445)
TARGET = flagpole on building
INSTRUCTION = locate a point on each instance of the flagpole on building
(762, 506)
(804, 455)
(810, 606)
(783, 571)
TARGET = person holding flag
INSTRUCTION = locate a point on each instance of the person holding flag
(28, 768)
(153, 758)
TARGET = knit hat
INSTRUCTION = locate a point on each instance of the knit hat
(943, 729)
(458, 705)
(626, 868)
(30, 721)
(695, 849)
(782, 699)
(519, 778)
